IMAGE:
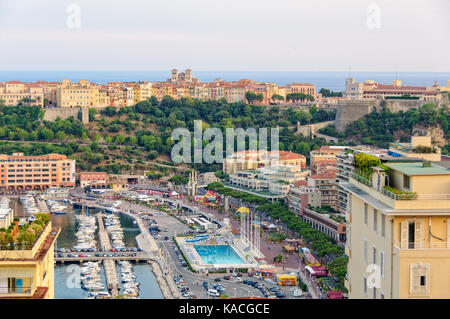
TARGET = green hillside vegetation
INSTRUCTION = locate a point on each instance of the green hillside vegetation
(379, 128)
(133, 138)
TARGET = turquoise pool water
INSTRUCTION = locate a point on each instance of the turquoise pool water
(218, 254)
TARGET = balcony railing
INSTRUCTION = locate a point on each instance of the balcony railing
(15, 291)
(405, 196)
(406, 245)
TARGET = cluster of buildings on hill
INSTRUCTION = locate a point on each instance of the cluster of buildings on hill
(372, 90)
(120, 94)
(398, 219)
(68, 94)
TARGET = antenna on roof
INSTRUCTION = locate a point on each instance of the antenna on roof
(349, 71)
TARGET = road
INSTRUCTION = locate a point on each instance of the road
(172, 265)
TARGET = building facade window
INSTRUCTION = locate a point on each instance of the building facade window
(365, 213)
(419, 279)
(365, 249)
(365, 285)
(375, 220)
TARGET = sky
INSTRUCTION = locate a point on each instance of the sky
(232, 35)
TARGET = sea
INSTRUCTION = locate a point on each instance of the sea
(65, 285)
(331, 80)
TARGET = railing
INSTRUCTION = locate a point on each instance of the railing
(404, 196)
(406, 245)
(15, 290)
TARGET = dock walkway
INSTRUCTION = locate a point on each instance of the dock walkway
(109, 264)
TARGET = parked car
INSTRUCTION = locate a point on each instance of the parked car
(279, 294)
(213, 293)
(228, 278)
(217, 279)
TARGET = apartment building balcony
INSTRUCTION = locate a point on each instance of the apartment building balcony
(16, 292)
(24, 293)
(402, 200)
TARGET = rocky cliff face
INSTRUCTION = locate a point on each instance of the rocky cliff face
(436, 133)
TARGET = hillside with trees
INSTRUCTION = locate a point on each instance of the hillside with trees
(138, 138)
(383, 127)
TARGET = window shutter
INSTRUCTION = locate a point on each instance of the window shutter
(419, 241)
(404, 234)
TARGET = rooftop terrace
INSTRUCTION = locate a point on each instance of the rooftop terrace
(417, 168)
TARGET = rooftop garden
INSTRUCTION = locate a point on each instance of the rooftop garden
(425, 149)
(323, 209)
(17, 237)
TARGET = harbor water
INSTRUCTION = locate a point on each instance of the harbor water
(66, 285)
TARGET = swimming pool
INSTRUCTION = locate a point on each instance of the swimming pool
(218, 254)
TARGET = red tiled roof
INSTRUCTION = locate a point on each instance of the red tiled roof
(301, 84)
(330, 175)
(301, 183)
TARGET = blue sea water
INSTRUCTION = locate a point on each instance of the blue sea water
(330, 80)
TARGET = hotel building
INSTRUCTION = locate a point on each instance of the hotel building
(250, 160)
(398, 243)
(19, 172)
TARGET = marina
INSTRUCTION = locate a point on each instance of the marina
(109, 263)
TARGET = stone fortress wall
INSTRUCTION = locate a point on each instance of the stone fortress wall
(51, 114)
(349, 111)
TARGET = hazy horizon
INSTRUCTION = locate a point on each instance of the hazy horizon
(205, 35)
